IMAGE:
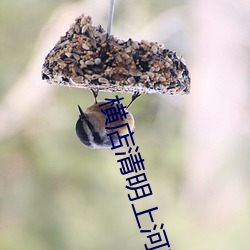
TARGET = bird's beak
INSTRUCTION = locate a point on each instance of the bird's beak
(82, 115)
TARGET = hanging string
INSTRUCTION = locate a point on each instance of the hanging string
(110, 15)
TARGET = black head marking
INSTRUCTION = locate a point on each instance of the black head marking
(82, 114)
(81, 133)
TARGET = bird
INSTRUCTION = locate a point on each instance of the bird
(91, 125)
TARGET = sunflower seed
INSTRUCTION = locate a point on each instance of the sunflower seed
(95, 76)
(69, 60)
(144, 78)
(145, 42)
(134, 72)
(131, 80)
(68, 54)
(85, 46)
(77, 29)
(150, 74)
(77, 57)
(61, 62)
(103, 80)
(77, 79)
(88, 62)
(78, 70)
(154, 49)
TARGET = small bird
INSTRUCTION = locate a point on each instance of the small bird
(90, 126)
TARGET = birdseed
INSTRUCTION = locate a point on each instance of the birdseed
(87, 57)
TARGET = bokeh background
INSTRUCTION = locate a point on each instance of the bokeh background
(57, 194)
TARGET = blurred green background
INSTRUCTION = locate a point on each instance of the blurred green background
(57, 194)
